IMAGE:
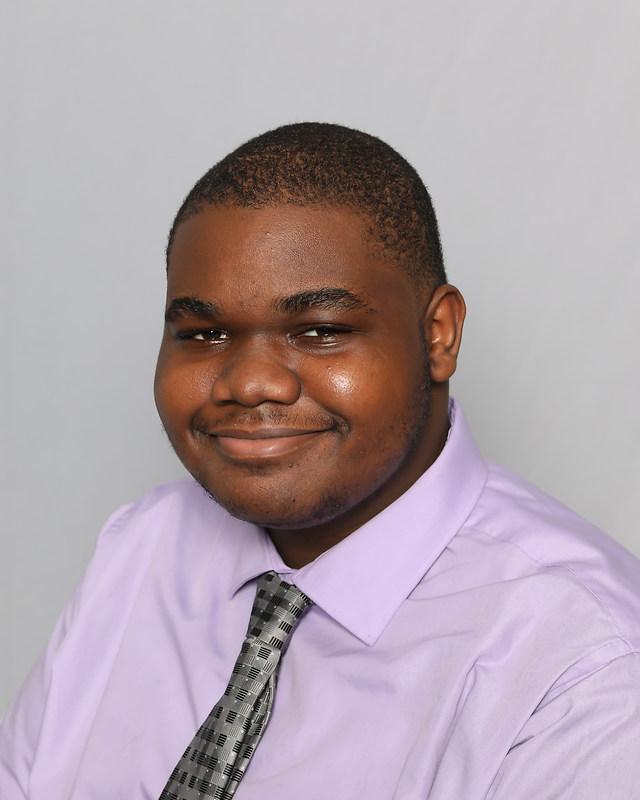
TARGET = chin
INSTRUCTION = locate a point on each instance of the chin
(269, 510)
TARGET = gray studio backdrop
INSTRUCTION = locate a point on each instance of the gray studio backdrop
(522, 117)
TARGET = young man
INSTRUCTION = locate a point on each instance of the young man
(346, 601)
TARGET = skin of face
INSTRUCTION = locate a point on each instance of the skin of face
(303, 375)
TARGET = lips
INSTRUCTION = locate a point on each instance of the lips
(263, 443)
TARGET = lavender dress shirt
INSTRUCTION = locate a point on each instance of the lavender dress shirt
(474, 640)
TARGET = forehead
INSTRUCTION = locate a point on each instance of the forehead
(278, 250)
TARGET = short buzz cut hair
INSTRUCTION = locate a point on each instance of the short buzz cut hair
(317, 163)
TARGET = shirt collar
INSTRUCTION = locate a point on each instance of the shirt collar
(362, 581)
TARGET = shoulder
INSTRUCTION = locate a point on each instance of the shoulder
(143, 537)
(172, 497)
(158, 511)
(569, 563)
(144, 548)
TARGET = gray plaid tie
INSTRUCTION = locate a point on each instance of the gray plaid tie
(216, 759)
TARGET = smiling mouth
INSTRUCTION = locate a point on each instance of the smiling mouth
(264, 443)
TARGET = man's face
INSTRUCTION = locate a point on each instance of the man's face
(292, 379)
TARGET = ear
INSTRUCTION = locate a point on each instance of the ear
(443, 321)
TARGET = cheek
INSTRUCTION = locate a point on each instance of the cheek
(179, 389)
(341, 383)
(372, 390)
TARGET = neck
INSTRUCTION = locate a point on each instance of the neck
(300, 546)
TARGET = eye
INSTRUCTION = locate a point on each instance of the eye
(323, 334)
(319, 331)
(211, 336)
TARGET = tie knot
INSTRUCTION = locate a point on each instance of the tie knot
(276, 611)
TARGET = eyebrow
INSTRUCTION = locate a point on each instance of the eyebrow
(191, 306)
(326, 298)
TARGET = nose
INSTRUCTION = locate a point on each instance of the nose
(253, 374)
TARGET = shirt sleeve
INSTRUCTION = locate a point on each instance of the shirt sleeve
(584, 744)
(21, 726)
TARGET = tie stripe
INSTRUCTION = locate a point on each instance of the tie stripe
(214, 763)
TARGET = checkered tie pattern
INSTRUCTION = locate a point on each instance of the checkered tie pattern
(214, 763)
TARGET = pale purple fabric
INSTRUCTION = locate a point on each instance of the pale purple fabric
(474, 640)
